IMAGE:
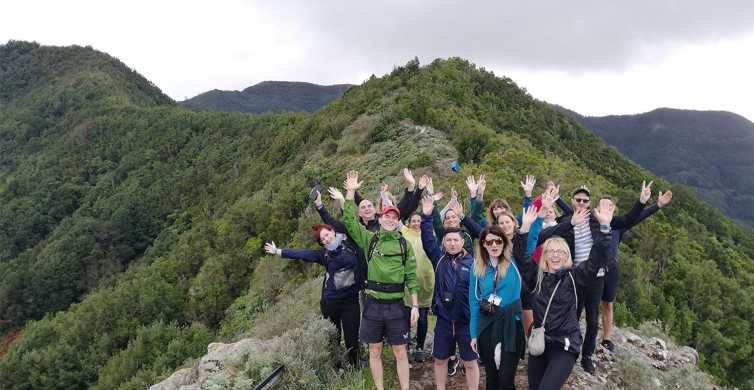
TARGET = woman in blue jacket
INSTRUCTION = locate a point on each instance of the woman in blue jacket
(340, 290)
(495, 302)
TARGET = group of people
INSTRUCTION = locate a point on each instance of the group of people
(500, 285)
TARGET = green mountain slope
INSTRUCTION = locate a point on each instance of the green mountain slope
(157, 249)
(709, 151)
(268, 96)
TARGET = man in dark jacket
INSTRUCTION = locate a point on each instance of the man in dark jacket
(580, 239)
(450, 303)
(610, 290)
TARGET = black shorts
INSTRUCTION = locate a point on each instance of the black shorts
(382, 320)
(610, 290)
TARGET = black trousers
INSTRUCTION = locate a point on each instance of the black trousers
(421, 326)
(550, 370)
(589, 300)
(496, 379)
(345, 315)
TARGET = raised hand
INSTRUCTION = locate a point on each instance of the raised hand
(352, 182)
(472, 185)
(548, 198)
(604, 211)
(428, 204)
(410, 180)
(579, 216)
(481, 185)
(527, 218)
(438, 196)
(664, 198)
(335, 194)
(430, 187)
(555, 190)
(271, 248)
(646, 192)
(528, 185)
(384, 188)
(423, 181)
(455, 205)
(318, 199)
(453, 194)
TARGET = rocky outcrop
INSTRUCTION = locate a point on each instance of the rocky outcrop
(642, 360)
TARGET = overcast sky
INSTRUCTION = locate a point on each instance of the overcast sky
(595, 57)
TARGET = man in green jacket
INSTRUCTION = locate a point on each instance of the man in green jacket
(391, 268)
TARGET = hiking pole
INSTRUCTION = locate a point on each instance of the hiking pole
(271, 379)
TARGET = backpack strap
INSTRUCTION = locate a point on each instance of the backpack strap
(372, 246)
(404, 248)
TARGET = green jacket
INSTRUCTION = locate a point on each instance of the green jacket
(382, 268)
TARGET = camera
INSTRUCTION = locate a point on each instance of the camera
(487, 307)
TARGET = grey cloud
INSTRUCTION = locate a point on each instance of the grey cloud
(547, 35)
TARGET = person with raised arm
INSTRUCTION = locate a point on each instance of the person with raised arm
(580, 239)
(391, 268)
(555, 341)
(340, 288)
(610, 290)
(450, 299)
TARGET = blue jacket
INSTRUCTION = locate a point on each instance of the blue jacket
(451, 274)
(508, 288)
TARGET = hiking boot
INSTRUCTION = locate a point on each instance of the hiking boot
(608, 345)
(419, 356)
(452, 367)
(587, 363)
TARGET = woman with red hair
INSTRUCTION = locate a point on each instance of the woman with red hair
(340, 289)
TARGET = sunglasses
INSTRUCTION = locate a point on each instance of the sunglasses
(557, 252)
(581, 200)
(495, 241)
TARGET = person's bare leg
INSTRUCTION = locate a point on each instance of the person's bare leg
(375, 364)
(472, 374)
(528, 316)
(441, 373)
(401, 365)
(607, 320)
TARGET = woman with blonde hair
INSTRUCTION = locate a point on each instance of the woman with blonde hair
(555, 280)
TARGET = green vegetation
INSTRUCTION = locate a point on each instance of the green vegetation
(709, 151)
(131, 228)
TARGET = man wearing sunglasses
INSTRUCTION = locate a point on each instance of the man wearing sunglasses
(580, 239)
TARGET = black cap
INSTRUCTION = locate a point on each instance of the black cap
(582, 189)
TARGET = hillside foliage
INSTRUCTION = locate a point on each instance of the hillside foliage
(131, 228)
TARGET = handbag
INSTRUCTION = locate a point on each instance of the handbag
(536, 342)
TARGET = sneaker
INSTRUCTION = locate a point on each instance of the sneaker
(587, 363)
(452, 367)
(608, 345)
(419, 356)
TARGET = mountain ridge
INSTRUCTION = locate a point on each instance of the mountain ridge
(711, 151)
(268, 96)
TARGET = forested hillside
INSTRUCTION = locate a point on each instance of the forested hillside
(132, 228)
(268, 96)
(709, 151)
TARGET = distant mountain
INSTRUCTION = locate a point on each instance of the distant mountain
(709, 151)
(268, 96)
